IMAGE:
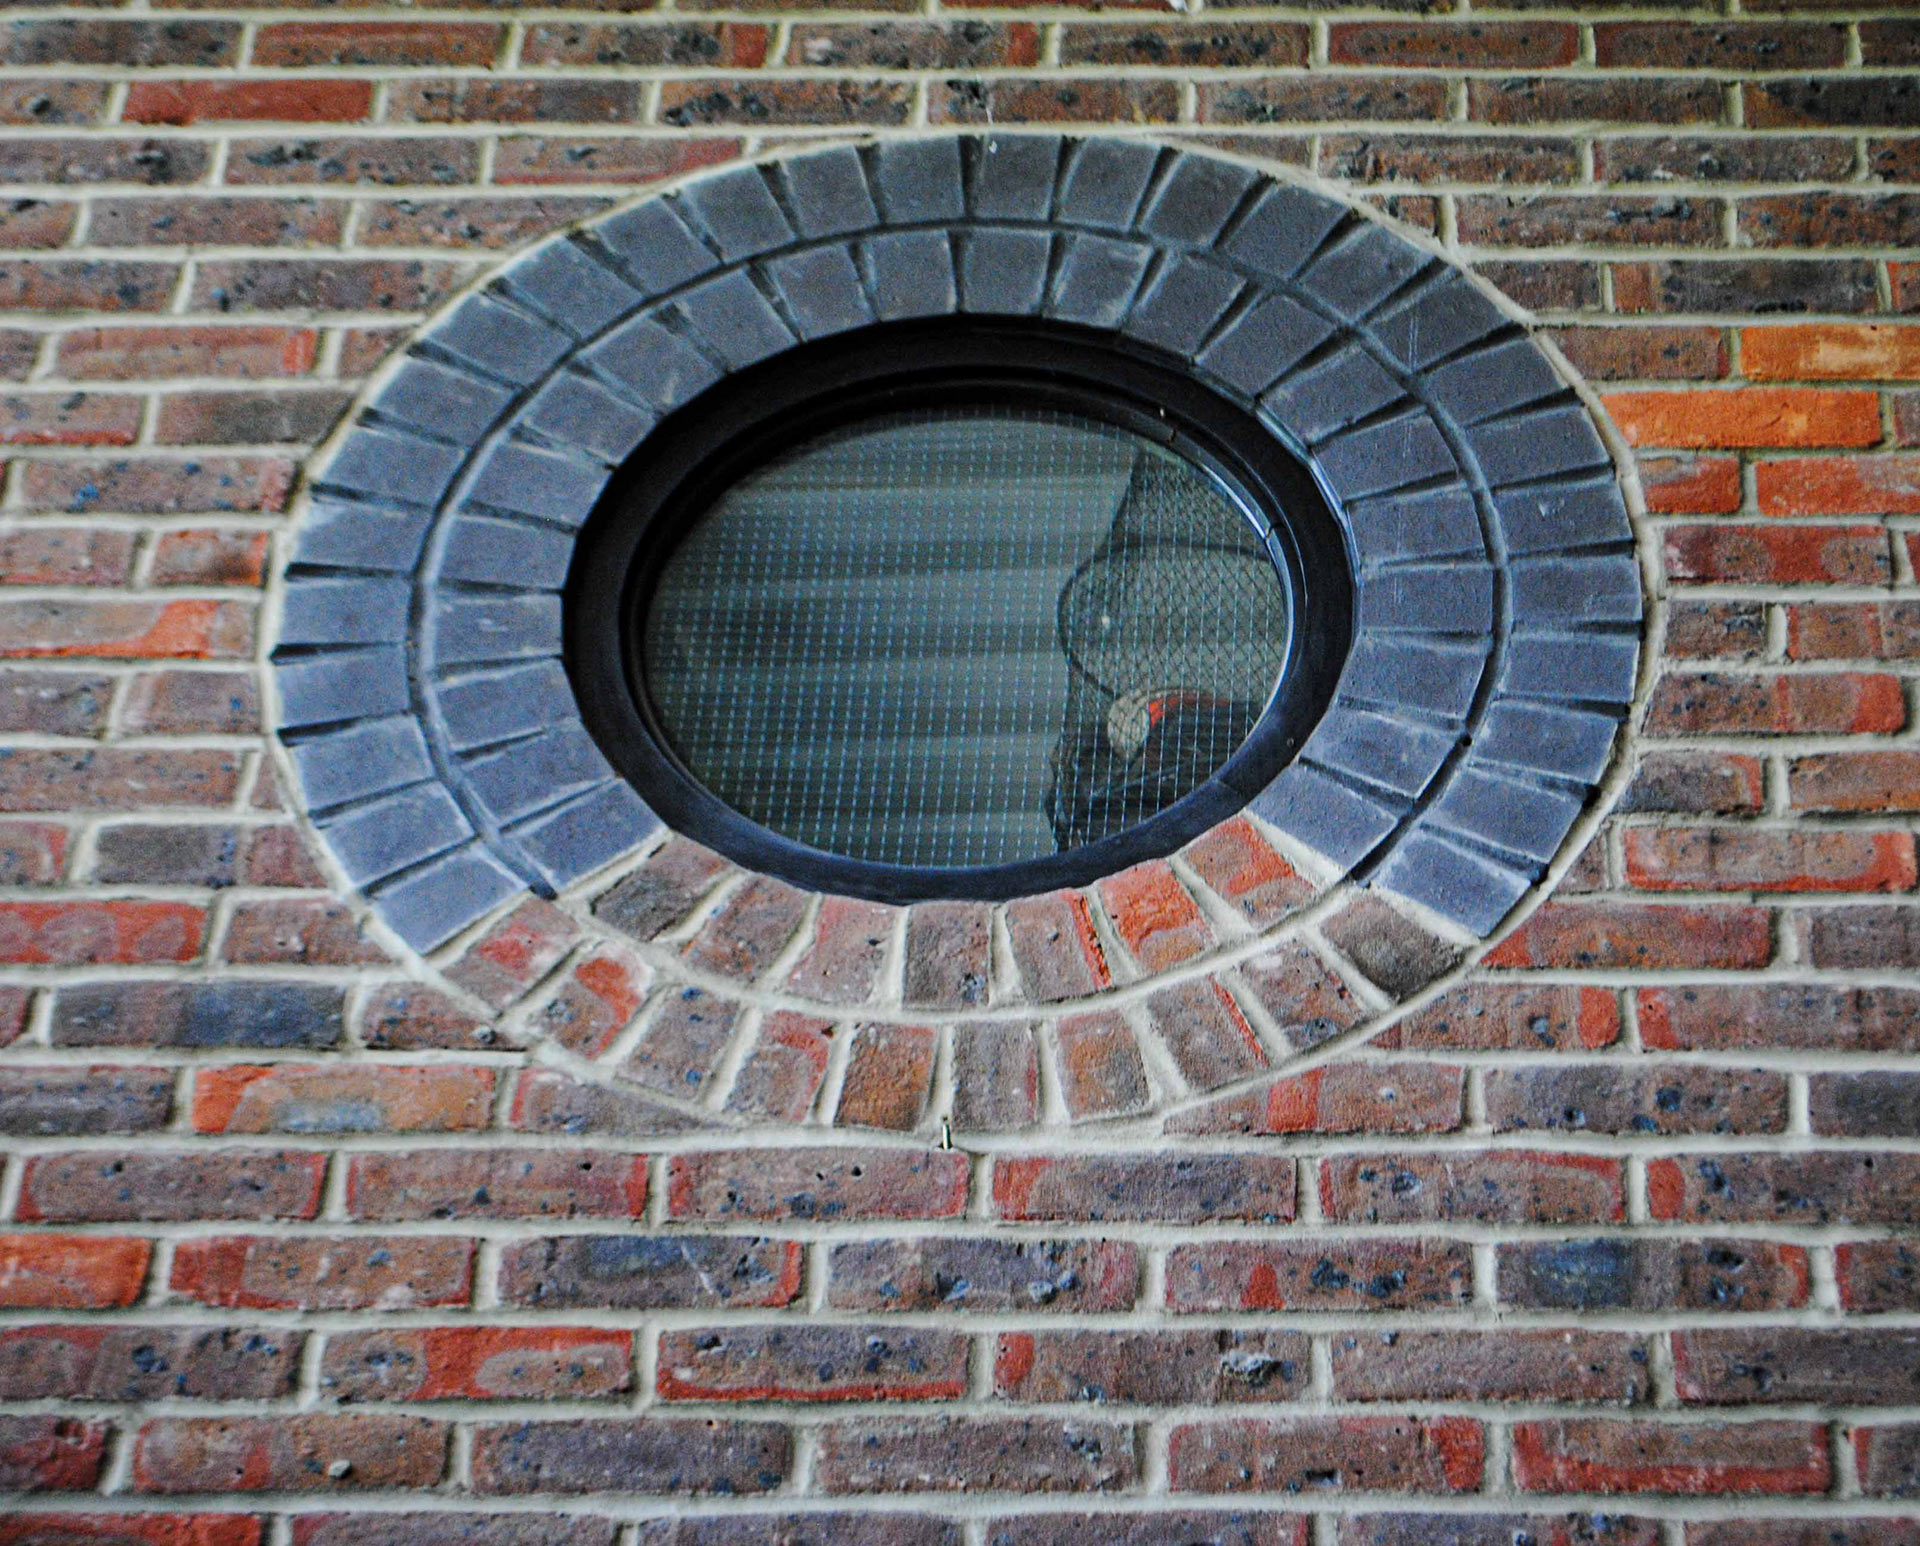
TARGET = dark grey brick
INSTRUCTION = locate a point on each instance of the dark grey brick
(1440, 598)
(1382, 749)
(440, 899)
(1568, 742)
(169, 854)
(1282, 230)
(54, 1102)
(1182, 305)
(733, 321)
(1563, 515)
(1525, 819)
(1537, 445)
(1003, 273)
(1330, 394)
(827, 192)
(1361, 270)
(1014, 175)
(1579, 668)
(398, 830)
(535, 773)
(1326, 815)
(322, 610)
(1096, 279)
(587, 834)
(1560, 592)
(392, 465)
(1474, 892)
(1104, 181)
(480, 708)
(533, 481)
(578, 411)
(1401, 451)
(737, 212)
(822, 291)
(1393, 670)
(1441, 319)
(1495, 380)
(562, 282)
(342, 684)
(1195, 199)
(1263, 343)
(654, 247)
(491, 552)
(234, 1013)
(653, 364)
(1434, 523)
(912, 274)
(361, 760)
(352, 535)
(442, 399)
(495, 628)
(918, 180)
(500, 339)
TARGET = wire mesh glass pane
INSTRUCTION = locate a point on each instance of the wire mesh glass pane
(965, 636)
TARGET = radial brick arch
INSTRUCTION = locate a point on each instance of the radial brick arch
(422, 695)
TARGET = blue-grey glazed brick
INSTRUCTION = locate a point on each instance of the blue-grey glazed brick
(1565, 742)
(1537, 445)
(1360, 270)
(919, 180)
(1181, 306)
(562, 282)
(1333, 820)
(434, 903)
(730, 319)
(1104, 181)
(652, 363)
(360, 760)
(737, 212)
(381, 837)
(392, 465)
(449, 403)
(821, 290)
(345, 534)
(1528, 821)
(1096, 279)
(1428, 598)
(1003, 272)
(1435, 677)
(1014, 175)
(482, 708)
(1566, 592)
(469, 629)
(586, 834)
(1550, 516)
(1440, 319)
(1195, 199)
(342, 684)
(1330, 394)
(1491, 381)
(1396, 454)
(912, 274)
(360, 610)
(577, 411)
(483, 551)
(1263, 343)
(1474, 891)
(501, 340)
(653, 246)
(1575, 668)
(1282, 230)
(535, 773)
(827, 193)
(1434, 523)
(530, 480)
(1388, 750)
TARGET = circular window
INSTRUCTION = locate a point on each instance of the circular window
(957, 610)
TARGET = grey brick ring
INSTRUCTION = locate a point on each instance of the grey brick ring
(422, 694)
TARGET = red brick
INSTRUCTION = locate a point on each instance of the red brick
(216, 101)
(1441, 158)
(71, 1272)
(1696, 783)
(157, 353)
(111, 778)
(751, 929)
(572, 159)
(105, 1186)
(497, 1183)
(1746, 417)
(1643, 352)
(1609, 1098)
(948, 955)
(545, 1101)
(1305, 997)
(147, 1363)
(1055, 947)
(304, 45)
(1311, 99)
(65, 1529)
(1345, 1097)
(324, 284)
(596, 1001)
(1344, 1454)
(643, 1454)
(829, 1184)
(1878, 1275)
(477, 1363)
(1720, 553)
(1585, 1367)
(158, 486)
(1792, 1364)
(986, 1454)
(297, 416)
(1156, 919)
(191, 703)
(500, 966)
(663, 892)
(785, 1068)
(186, 630)
(1833, 703)
(644, 44)
(66, 419)
(51, 1454)
(1812, 1187)
(1499, 1186)
(1175, 1187)
(347, 1272)
(1781, 1015)
(1448, 45)
(340, 1098)
(1002, 99)
(464, 99)
(686, 104)
(1393, 952)
(889, 1077)
(300, 933)
(91, 933)
(1690, 485)
(1582, 1529)
(1551, 220)
(1202, 1026)
(1852, 485)
(842, 962)
(32, 853)
(405, 1017)
(1242, 868)
(139, 44)
(812, 1363)
(1493, 1017)
(304, 1453)
(1606, 1456)
(1318, 1275)
(1638, 935)
(1736, 859)
(1855, 781)
(1655, 45)
(1630, 99)
(85, 284)
(209, 558)
(1155, 1368)
(1722, 630)
(1100, 1069)
(996, 1076)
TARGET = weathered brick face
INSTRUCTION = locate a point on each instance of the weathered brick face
(1201, 1205)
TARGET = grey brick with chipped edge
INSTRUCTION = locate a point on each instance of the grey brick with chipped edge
(1003, 273)
(1014, 175)
(827, 192)
(1438, 676)
(1442, 319)
(562, 282)
(1183, 303)
(1500, 810)
(480, 708)
(1570, 743)
(1583, 667)
(1537, 445)
(321, 610)
(738, 213)
(392, 465)
(654, 247)
(1596, 588)
(1492, 381)
(1440, 598)
(1195, 199)
(912, 274)
(1330, 394)
(587, 834)
(1331, 819)
(350, 535)
(1435, 523)
(436, 397)
(488, 628)
(1096, 279)
(1263, 343)
(501, 340)
(1382, 749)
(436, 902)
(389, 834)
(361, 760)
(918, 180)
(1563, 515)
(732, 320)
(1473, 891)
(489, 552)
(1104, 181)
(822, 291)
(342, 684)
(577, 411)
(1282, 231)
(1361, 270)
(1382, 457)
(653, 363)
(533, 481)
(539, 771)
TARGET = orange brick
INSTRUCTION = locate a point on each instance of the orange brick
(1746, 416)
(345, 1098)
(1690, 485)
(1832, 351)
(1839, 485)
(70, 1272)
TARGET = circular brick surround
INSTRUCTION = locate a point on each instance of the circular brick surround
(438, 746)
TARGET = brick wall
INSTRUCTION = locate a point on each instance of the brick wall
(1603, 1236)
